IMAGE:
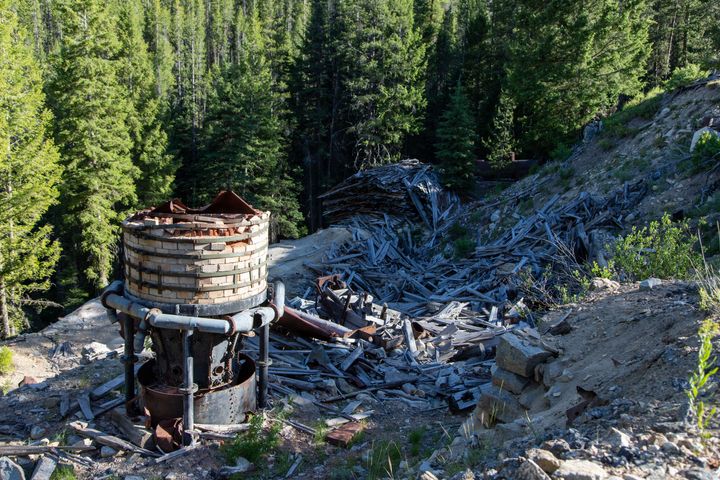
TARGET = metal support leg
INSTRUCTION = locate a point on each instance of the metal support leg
(129, 359)
(188, 389)
(264, 363)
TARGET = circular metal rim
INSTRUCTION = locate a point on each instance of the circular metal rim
(196, 309)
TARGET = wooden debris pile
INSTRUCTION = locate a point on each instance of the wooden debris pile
(409, 188)
(413, 275)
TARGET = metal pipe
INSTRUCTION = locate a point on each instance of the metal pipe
(182, 322)
(254, 318)
(264, 363)
(129, 359)
(188, 389)
(279, 297)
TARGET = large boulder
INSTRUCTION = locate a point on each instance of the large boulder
(507, 380)
(519, 355)
(498, 405)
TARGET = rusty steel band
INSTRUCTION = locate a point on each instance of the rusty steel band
(198, 289)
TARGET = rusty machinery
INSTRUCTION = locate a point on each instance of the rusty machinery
(195, 286)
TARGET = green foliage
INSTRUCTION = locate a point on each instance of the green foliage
(501, 141)
(6, 361)
(29, 175)
(707, 149)
(381, 59)
(64, 472)
(705, 369)
(596, 271)
(455, 148)
(561, 152)
(255, 443)
(684, 76)
(92, 131)
(662, 249)
(244, 144)
(384, 459)
(571, 60)
(643, 107)
(135, 72)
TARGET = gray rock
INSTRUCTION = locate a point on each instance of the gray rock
(599, 283)
(507, 380)
(106, 452)
(629, 476)
(698, 474)
(558, 446)
(580, 470)
(530, 470)
(132, 477)
(243, 464)
(650, 283)
(93, 350)
(10, 470)
(499, 405)
(495, 217)
(533, 398)
(466, 475)
(427, 475)
(37, 432)
(619, 439)
(699, 133)
(545, 460)
(518, 355)
(44, 468)
(670, 448)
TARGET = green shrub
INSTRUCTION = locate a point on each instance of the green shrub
(64, 472)
(684, 76)
(560, 152)
(644, 106)
(662, 249)
(6, 361)
(253, 444)
(464, 246)
(706, 367)
(707, 148)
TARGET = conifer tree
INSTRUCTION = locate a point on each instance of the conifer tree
(92, 109)
(382, 62)
(146, 132)
(29, 174)
(244, 144)
(569, 60)
(500, 142)
(455, 147)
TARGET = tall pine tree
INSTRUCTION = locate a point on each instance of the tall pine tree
(92, 110)
(149, 139)
(500, 143)
(455, 147)
(244, 146)
(29, 174)
(381, 67)
(570, 60)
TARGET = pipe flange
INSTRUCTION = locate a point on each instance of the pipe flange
(192, 389)
(264, 364)
(231, 331)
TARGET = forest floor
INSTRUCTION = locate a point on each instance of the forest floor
(632, 349)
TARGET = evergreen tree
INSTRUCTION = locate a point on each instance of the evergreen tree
(92, 110)
(455, 148)
(569, 60)
(244, 144)
(500, 142)
(146, 132)
(381, 62)
(29, 173)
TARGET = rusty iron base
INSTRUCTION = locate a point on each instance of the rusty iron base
(222, 405)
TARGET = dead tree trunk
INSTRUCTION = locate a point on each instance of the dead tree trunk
(6, 326)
